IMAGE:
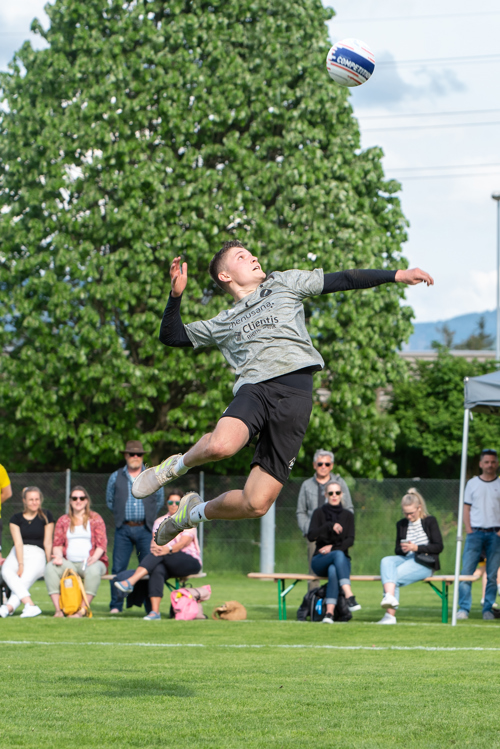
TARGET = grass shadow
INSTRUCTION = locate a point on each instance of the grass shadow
(118, 686)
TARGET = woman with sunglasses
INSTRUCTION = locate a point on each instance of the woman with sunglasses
(80, 544)
(418, 545)
(179, 558)
(31, 532)
(332, 528)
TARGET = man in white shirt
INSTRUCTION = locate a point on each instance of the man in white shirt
(482, 525)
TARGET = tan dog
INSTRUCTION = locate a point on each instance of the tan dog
(230, 611)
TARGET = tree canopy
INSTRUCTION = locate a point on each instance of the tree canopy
(150, 129)
(429, 408)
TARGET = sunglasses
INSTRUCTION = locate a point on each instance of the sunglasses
(135, 455)
(407, 514)
(75, 499)
(323, 464)
(331, 494)
(173, 502)
(488, 451)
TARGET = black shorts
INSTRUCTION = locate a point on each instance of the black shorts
(279, 414)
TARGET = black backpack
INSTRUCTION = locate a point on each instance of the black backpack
(313, 606)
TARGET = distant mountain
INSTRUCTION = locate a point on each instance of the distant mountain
(463, 325)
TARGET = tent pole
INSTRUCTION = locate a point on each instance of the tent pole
(463, 476)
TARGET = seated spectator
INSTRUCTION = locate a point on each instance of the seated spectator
(180, 558)
(80, 544)
(418, 545)
(332, 528)
(31, 532)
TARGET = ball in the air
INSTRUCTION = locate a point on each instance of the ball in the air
(350, 62)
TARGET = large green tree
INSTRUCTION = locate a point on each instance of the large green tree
(429, 407)
(150, 129)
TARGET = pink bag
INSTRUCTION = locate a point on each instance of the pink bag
(185, 602)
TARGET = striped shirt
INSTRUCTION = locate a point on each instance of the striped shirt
(416, 534)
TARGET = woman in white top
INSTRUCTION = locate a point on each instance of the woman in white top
(31, 531)
(80, 543)
(418, 545)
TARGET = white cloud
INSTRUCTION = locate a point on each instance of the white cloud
(15, 22)
(453, 221)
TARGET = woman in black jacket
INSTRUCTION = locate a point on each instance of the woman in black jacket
(332, 527)
(418, 545)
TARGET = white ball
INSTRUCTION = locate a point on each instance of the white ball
(350, 62)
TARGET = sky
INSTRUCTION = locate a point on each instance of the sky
(433, 106)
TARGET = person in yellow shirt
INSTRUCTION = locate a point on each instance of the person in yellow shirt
(5, 494)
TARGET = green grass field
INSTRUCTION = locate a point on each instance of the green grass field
(123, 682)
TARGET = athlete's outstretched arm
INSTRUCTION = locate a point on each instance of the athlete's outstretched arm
(347, 280)
(172, 331)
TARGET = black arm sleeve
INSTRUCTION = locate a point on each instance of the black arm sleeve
(401, 532)
(317, 527)
(172, 331)
(435, 545)
(346, 280)
(347, 523)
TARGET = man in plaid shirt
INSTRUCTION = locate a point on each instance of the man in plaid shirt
(134, 518)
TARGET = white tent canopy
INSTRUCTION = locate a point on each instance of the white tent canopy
(482, 394)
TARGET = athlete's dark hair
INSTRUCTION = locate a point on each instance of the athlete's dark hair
(216, 262)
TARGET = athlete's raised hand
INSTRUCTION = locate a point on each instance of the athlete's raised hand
(178, 275)
(414, 276)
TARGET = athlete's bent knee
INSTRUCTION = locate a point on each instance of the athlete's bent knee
(220, 449)
(257, 508)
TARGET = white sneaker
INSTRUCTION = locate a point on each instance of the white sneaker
(180, 521)
(149, 481)
(387, 619)
(4, 611)
(462, 614)
(389, 601)
(328, 619)
(30, 611)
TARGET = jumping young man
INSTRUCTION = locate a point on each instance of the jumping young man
(264, 338)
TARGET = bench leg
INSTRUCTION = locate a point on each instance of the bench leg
(444, 610)
(443, 594)
(282, 594)
(281, 600)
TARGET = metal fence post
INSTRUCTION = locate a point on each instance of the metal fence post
(463, 478)
(201, 525)
(68, 488)
(267, 532)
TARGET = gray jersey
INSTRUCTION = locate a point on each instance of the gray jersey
(264, 335)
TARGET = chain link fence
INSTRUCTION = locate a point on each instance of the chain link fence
(235, 546)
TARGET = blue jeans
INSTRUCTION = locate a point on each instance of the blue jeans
(126, 538)
(337, 566)
(478, 543)
(402, 571)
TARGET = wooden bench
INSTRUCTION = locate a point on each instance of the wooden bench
(281, 578)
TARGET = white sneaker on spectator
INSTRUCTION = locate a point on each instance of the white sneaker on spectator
(389, 601)
(4, 611)
(462, 614)
(30, 611)
(328, 619)
(387, 619)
